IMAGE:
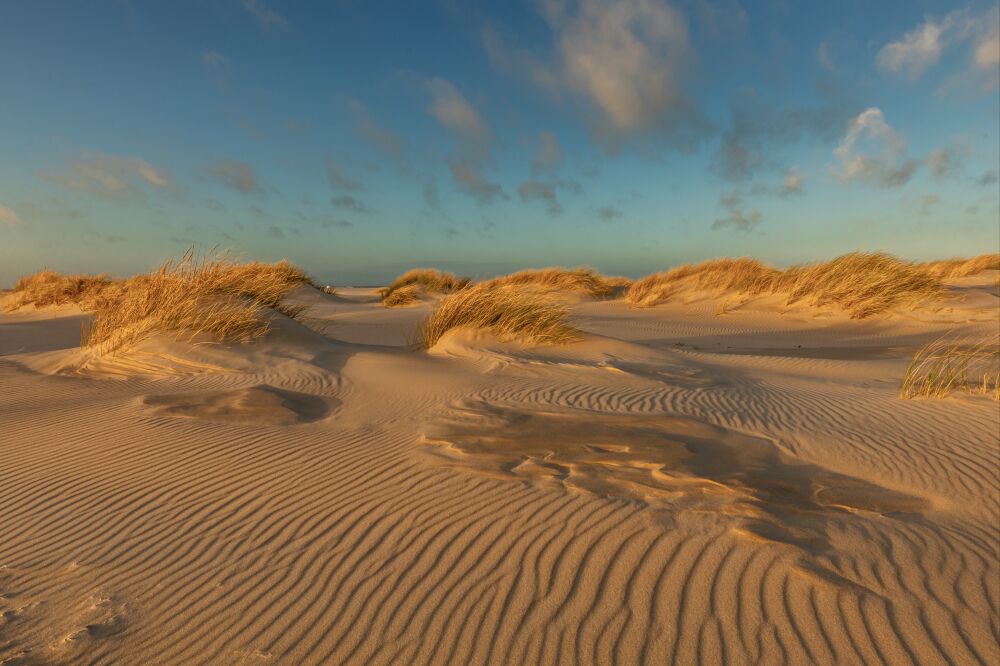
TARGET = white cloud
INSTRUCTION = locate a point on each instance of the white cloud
(873, 152)
(268, 19)
(626, 58)
(915, 51)
(8, 218)
(112, 176)
(922, 47)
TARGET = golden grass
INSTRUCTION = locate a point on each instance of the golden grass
(946, 365)
(415, 283)
(51, 288)
(193, 297)
(584, 280)
(861, 284)
(959, 267)
(505, 310)
(743, 275)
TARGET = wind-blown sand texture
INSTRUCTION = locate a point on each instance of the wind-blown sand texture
(678, 486)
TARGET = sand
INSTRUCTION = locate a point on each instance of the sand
(680, 486)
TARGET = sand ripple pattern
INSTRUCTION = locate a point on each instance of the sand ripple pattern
(138, 537)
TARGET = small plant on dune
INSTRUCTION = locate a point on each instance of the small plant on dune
(419, 281)
(959, 268)
(192, 297)
(51, 288)
(948, 365)
(584, 280)
(505, 311)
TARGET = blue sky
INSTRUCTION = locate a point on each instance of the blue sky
(361, 138)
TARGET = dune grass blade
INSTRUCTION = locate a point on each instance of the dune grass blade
(193, 297)
(945, 366)
(506, 311)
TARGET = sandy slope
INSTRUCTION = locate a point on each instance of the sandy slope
(680, 486)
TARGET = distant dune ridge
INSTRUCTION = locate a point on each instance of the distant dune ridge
(239, 468)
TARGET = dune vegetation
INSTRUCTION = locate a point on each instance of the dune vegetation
(415, 284)
(959, 267)
(505, 311)
(47, 287)
(861, 284)
(191, 297)
(945, 366)
(583, 280)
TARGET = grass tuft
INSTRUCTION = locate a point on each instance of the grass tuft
(51, 288)
(862, 284)
(959, 268)
(506, 311)
(414, 284)
(192, 297)
(947, 365)
(584, 280)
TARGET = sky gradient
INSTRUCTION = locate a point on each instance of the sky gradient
(358, 139)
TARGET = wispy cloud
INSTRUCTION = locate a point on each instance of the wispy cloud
(383, 140)
(988, 178)
(885, 164)
(112, 177)
(348, 202)
(455, 113)
(793, 183)
(548, 155)
(608, 213)
(737, 216)
(217, 66)
(267, 19)
(236, 174)
(8, 218)
(339, 178)
(535, 190)
(757, 128)
(471, 180)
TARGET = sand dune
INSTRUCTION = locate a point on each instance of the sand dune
(679, 486)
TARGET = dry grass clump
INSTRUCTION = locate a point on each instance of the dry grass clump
(585, 280)
(506, 311)
(403, 295)
(743, 275)
(419, 281)
(860, 283)
(959, 268)
(192, 297)
(945, 366)
(51, 288)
